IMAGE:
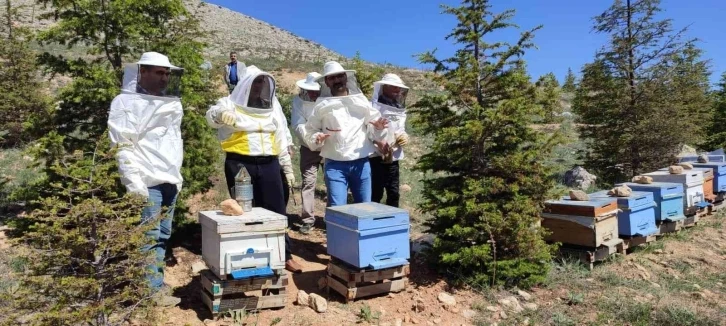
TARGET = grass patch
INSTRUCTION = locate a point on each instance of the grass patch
(612, 279)
(650, 247)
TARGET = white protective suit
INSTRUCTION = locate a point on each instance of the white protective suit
(301, 112)
(347, 120)
(396, 119)
(257, 131)
(147, 129)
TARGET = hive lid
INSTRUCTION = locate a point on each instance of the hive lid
(636, 198)
(367, 210)
(258, 219)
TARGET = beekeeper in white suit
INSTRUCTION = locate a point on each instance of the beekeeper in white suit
(145, 122)
(302, 109)
(252, 135)
(389, 97)
(344, 126)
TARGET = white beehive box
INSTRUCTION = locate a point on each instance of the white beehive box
(254, 239)
(691, 180)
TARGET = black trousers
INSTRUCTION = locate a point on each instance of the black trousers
(266, 179)
(285, 187)
(384, 176)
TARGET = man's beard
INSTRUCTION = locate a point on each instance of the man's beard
(339, 88)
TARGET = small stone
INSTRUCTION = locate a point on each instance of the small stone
(525, 321)
(686, 165)
(419, 305)
(492, 308)
(414, 321)
(198, 267)
(675, 169)
(703, 158)
(526, 296)
(649, 296)
(622, 191)
(643, 179)
(407, 318)
(391, 295)
(579, 195)
(469, 314)
(454, 310)
(512, 303)
(437, 321)
(303, 298)
(696, 286)
(655, 284)
(318, 303)
(447, 299)
(399, 322)
(405, 188)
(719, 284)
(230, 207)
(502, 315)
(322, 283)
(208, 322)
(530, 306)
(658, 251)
(590, 279)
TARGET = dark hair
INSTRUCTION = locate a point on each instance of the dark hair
(233, 52)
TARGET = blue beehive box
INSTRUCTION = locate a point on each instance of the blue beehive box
(368, 235)
(668, 198)
(719, 174)
(637, 216)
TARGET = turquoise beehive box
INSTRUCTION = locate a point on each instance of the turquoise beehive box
(368, 235)
(668, 198)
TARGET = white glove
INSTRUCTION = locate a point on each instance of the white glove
(227, 118)
(290, 178)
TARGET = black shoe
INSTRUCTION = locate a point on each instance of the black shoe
(306, 228)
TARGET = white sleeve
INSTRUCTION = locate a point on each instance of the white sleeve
(277, 110)
(124, 134)
(298, 120)
(214, 111)
(313, 128)
(282, 144)
(373, 133)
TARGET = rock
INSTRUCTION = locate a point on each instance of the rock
(643, 179)
(492, 308)
(703, 158)
(502, 315)
(719, 284)
(414, 321)
(407, 318)
(687, 151)
(322, 283)
(530, 306)
(419, 305)
(437, 321)
(230, 207)
(318, 303)
(469, 314)
(208, 322)
(579, 195)
(421, 243)
(675, 169)
(303, 298)
(696, 286)
(198, 267)
(382, 311)
(579, 178)
(686, 165)
(391, 295)
(399, 322)
(658, 251)
(512, 304)
(447, 299)
(525, 321)
(405, 188)
(654, 284)
(622, 191)
(526, 296)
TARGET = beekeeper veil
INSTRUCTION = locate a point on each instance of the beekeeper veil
(256, 89)
(336, 78)
(389, 97)
(153, 75)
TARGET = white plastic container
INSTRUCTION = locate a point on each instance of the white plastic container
(253, 240)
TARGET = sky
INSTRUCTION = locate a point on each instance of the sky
(393, 31)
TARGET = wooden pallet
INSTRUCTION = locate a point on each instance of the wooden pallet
(718, 205)
(212, 284)
(691, 221)
(590, 256)
(666, 227)
(354, 283)
(633, 242)
(278, 272)
(221, 296)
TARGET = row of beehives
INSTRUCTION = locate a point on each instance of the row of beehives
(669, 196)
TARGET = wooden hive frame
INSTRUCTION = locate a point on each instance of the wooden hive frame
(354, 283)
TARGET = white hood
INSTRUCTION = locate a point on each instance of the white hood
(301, 112)
(148, 131)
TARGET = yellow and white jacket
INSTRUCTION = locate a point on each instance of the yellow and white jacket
(256, 132)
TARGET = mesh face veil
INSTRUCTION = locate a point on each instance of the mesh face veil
(158, 81)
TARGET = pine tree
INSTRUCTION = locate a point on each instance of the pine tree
(634, 100)
(548, 96)
(115, 33)
(83, 251)
(570, 80)
(366, 74)
(488, 183)
(20, 89)
(716, 130)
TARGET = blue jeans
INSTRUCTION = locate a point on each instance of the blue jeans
(160, 196)
(341, 175)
